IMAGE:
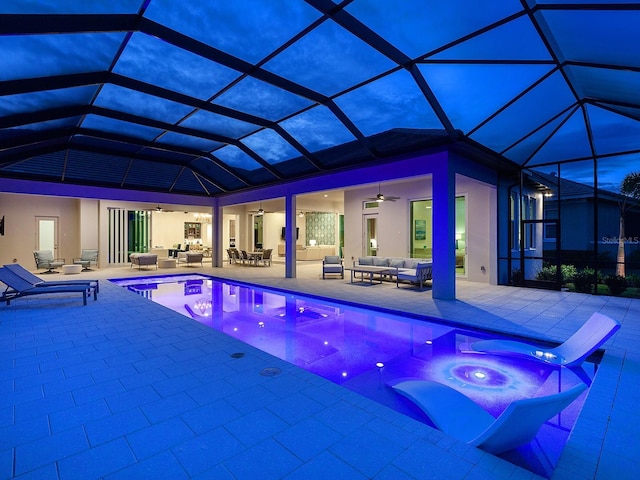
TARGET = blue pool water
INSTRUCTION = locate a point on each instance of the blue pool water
(362, 349)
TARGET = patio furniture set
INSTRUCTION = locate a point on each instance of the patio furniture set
(45, 259)
(187, 258)
(412, 270)
(255, 258)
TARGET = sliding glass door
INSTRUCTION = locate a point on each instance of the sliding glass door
(422, 231)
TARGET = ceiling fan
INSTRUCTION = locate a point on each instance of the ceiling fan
(260, 211)
(159, 209)
(383, 198)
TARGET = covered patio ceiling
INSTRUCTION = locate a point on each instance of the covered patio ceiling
(214, 97)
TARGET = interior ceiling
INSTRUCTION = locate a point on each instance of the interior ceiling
(209, 97)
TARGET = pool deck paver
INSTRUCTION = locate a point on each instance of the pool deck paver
(124, 388)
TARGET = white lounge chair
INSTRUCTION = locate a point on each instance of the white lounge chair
(462, 418)
(597, 330)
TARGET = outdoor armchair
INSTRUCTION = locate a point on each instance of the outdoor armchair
(44, 259)
(332, 264)
(87, 257)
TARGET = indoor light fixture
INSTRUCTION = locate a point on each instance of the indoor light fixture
(203, 217)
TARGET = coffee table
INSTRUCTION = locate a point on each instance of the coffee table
(71, 269)
(371, 271)
(167, 263)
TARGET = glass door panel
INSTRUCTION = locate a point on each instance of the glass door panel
(370, 241)
(421, 231)
(47, 234)
(461, 236)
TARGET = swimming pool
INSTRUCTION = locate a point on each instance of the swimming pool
(362, 349)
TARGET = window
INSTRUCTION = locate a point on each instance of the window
(551, 228)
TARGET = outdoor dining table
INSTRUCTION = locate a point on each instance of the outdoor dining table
(255, 257)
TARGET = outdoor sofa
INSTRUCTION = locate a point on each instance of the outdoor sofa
(190, 257)
(144, 259)
(399, 268)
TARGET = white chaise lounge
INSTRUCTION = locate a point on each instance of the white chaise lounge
(597, 330)
(462, 418)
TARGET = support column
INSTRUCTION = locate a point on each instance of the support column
(444, 223)
(216, 234)
(290, 234)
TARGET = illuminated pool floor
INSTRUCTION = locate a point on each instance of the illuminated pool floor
(363, 349)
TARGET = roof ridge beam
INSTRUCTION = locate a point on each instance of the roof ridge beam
(61, 23)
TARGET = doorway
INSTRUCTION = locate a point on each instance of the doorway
(258, 233)
(370, 241)
(422, 231)
(47, 234)
(461, 236)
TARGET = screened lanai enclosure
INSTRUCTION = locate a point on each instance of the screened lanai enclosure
(210, 98)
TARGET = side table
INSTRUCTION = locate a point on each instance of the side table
(70, 269)
(167, 263)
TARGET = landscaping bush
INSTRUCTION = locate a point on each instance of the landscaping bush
(616, 283)
(633, 280)
(548, 273)
(568, 272)
(583, 281)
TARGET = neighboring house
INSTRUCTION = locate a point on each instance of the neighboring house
(570, 208)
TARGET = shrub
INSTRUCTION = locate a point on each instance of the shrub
(633, 280)
(584, 280)
(616, 283)
(568, 272)
(548, 273)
